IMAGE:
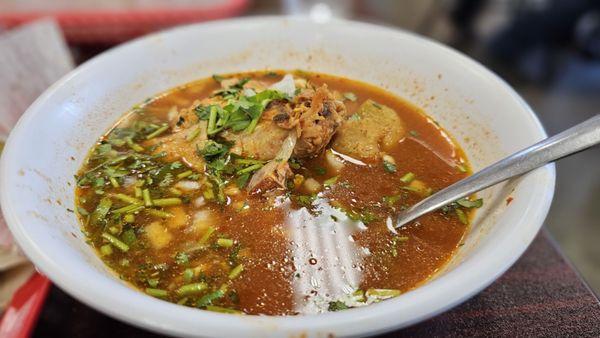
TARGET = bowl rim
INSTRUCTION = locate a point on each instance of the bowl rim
(376, 318)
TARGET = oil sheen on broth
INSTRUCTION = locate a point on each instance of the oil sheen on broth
(272, 193)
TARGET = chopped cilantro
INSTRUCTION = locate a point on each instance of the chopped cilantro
(391, 200)
(364, 216)
(467, 203)
(152, 282)
(304, 200)
(212, 149)
(389, 167)
(182, 258)
(209, 298)
(294, 163)
(129, 237)
(337, 306)
(462, 217)
(242, 180)
(241, 112)
(330, 181)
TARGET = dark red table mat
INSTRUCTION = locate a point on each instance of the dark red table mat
(541, 295)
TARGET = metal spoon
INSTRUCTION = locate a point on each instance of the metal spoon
(570, 141)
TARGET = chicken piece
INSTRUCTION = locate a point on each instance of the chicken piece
(179, 147)
(181, 119)
(262, 144)
(180, 218)
(275, 173)
(314, 114)
(186, 117)
(158, 235)
(368, 133)
(266, 139)
(281, 114)
(318, 123)
(255, 85)
(203, 219)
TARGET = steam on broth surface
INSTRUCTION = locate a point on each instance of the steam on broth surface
(272, 193)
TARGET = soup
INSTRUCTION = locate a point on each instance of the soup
(272, 193)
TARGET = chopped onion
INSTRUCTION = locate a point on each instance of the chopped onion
(202, 215)
(270, 168)
(333, 161)
(173, 114)
(128, 181)
(286, 85)
(199, 202)
(390, 225)
(248, 92)
(187, 185)
(311, 185)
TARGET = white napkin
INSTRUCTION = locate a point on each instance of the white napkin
(32, 57)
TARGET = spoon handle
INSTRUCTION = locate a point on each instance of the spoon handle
(570, 141)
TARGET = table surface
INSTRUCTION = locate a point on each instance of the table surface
(541, 295)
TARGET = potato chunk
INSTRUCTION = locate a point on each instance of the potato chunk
(179, 219)
(158, 235)
(373, 129)
(202, 220)
(334, 162)
(179, 146)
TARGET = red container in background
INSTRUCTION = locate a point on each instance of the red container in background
(22, 313)
(113, 21)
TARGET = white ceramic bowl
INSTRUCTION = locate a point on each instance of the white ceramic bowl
(480, 110)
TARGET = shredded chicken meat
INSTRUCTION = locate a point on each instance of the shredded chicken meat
(313, 114)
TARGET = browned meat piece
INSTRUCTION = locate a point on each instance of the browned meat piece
(275, 177)
(275, 173)
(369, 132)
(186, 117)
(252, 84)
(315, 115)
(262, 144)
(256, 85)
(182, 119)
(179, 147)
(281, 113)
(318, 121)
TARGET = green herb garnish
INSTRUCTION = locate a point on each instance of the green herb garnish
(330, 181)
(209, 298)
(337, 306)
(407, 178)
(467, 203)
(182, 258)
(389, 167)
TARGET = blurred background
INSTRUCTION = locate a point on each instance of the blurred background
(548, 50)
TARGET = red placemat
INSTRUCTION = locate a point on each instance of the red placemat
(113, 21)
